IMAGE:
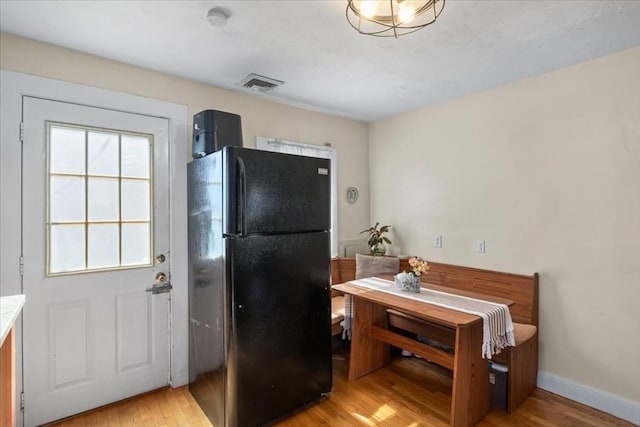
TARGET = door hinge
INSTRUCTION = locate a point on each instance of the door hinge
(21, 131)
(22, 401)
(21, 266)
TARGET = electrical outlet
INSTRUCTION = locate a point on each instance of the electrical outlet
(480, 246)
(437, 241)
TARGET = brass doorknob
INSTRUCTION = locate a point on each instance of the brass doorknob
(161, 277)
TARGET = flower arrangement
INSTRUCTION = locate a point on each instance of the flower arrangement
(376, 239)
(418, 266)
(410, 281)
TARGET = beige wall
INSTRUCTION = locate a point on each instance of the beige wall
(547, 171)
(259, 116)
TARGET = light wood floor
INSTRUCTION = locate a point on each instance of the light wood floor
(408, 393)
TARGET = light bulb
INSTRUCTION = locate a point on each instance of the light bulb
(405, 13)
(368, 8)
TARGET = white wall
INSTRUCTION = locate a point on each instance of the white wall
(547, 171)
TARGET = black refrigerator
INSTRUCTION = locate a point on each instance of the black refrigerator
(259, 294)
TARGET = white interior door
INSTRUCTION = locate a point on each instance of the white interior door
(95, 237)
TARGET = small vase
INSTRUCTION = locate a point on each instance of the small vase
(415, 284)
(378, 249)
(408, 282)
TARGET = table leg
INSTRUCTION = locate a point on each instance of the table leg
(367, 354)
(470, 401)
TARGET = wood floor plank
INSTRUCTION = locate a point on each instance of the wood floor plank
(409, 392)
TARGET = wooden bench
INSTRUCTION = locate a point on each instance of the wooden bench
(522, 360)
(337, 313)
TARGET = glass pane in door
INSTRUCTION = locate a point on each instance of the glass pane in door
(136, 155)
(66, 150)
(103, 199)
(136, 247)
(103, 152)
(67, 248)
(66, 198)
(103, 246)
(136, 205)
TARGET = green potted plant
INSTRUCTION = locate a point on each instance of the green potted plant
(377, 241)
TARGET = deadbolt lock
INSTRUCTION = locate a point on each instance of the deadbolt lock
(160, 258)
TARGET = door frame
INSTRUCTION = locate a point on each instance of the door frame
(14, 86)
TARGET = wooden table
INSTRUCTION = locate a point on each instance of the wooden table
(370, 339)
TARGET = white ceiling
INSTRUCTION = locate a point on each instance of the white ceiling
(327, 65)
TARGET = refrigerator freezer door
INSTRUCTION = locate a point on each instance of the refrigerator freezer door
(274, 193)
(280, 350)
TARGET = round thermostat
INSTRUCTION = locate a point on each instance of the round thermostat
(352, 194)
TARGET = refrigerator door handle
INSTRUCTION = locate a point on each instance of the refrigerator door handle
(242, 199)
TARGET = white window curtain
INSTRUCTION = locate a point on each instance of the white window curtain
(320, 151)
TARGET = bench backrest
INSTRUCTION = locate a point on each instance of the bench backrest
(344, 269)
(521, 289)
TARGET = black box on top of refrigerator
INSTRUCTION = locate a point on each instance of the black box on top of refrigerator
(259, 295)
(213, 130)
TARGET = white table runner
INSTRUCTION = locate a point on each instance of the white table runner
(497, 324)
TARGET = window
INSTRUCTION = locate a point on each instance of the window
(323, 152)
(99, 204)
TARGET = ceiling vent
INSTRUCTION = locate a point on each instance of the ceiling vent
(260, 83)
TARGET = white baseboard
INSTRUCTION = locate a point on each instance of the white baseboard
(614, 405)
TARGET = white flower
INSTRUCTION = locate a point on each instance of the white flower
(418, 266)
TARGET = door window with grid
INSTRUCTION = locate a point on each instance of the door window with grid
(99, 204)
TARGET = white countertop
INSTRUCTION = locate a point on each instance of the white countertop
(10, 308)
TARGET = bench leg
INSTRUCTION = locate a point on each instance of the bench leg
(523, 372)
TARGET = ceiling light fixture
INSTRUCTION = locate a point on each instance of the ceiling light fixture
(392, 18)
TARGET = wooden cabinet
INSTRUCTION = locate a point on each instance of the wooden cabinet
(10, 308)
